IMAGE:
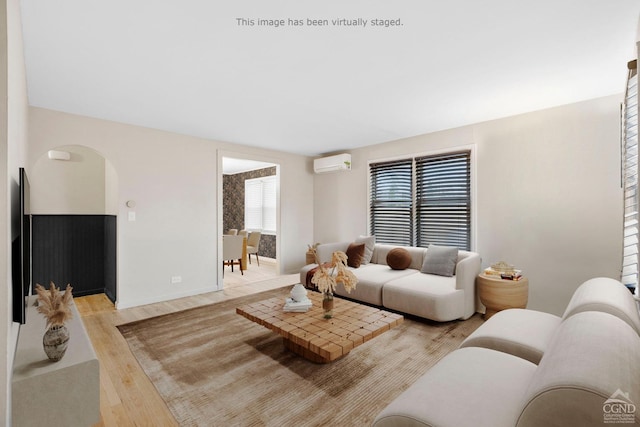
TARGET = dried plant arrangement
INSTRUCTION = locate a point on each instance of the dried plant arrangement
(326, 280)
(311, 253)
(54, 305)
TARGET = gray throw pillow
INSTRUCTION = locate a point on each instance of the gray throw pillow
(440, 260)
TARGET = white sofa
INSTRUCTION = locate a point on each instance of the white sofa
(527, 333)
(588, 372)
(410, 291)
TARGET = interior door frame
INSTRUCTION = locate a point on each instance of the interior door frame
(220, 211)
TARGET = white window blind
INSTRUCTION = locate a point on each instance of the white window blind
(629, 274)
(260, 204)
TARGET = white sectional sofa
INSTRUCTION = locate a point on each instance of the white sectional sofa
(588, 372)
(409, 290)
(527, 333)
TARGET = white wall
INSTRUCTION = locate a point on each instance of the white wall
(548, 194)
(111, 189)
(74, 186)
(174, 181)
(5, 225)
(13, 148)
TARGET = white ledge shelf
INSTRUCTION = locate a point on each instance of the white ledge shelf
(64, 393)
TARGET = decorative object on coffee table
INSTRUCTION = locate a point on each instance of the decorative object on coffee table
(326, 280)
(56, 308)
(316, 339)
(327, 304)
(298, 293)
(298, 301)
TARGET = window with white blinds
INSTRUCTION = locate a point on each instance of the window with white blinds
(422, 201)
(260, 204)
(629, 274)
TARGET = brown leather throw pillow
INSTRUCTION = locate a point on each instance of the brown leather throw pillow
(398, 258)
(355, 253)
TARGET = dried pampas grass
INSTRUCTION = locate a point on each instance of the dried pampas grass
(327, 281)
(54, 305)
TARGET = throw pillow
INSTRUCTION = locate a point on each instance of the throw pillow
(369, 244)
(440, 260)
(398, 259)
(355, 253)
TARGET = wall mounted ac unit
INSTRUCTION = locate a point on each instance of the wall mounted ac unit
(339, 162)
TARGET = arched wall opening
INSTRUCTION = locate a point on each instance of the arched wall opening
(74, 205)
(85, 184)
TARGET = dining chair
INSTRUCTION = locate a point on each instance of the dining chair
(233, 231)
(253, 245)
(232, 251)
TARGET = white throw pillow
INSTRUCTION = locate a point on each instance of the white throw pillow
(369, 244)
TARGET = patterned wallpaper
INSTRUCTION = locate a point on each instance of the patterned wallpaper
(233, 206)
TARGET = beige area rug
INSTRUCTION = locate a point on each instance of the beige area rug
(214, 367)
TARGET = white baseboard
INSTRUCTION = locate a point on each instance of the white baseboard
(162, 298)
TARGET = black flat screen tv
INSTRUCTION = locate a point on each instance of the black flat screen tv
(21, 250)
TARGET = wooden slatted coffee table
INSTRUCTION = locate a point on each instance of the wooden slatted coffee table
(315, 338)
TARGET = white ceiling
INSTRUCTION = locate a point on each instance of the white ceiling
(231, 166)
(189, 67)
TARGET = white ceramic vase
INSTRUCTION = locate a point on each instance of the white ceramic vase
(55, 342)
(298, 293)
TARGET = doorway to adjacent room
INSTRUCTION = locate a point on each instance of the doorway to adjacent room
(250, 203)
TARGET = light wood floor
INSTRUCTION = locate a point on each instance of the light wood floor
(252, 274)
(127, 397)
